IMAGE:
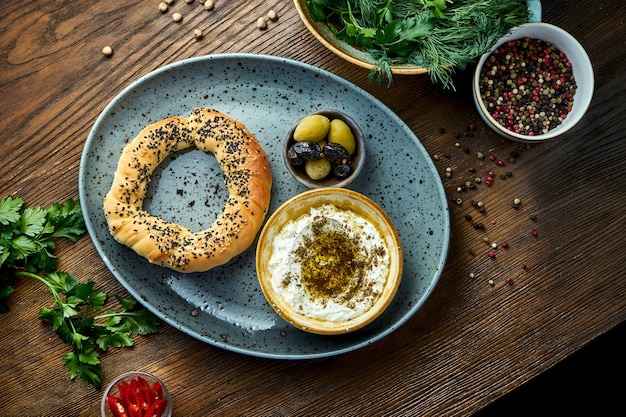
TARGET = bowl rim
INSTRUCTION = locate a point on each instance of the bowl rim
(317, 197)
(359, 155)
(581, 63)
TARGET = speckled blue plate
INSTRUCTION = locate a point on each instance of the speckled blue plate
(225, 306)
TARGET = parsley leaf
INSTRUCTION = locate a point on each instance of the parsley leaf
(84, 364)
(32, 221)
(10, 210)
(67, 220)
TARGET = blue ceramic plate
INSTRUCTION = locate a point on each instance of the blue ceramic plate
(225, 306)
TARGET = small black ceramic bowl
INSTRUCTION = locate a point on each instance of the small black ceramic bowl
(357, 158)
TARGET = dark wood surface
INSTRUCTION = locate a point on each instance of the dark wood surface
(469, 345)
(586, 383)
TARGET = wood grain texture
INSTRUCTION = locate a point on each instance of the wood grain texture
(471, 343)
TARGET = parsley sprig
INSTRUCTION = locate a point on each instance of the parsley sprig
(27, 250)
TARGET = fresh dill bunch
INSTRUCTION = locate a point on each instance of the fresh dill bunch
(368, 9)
(468, 32)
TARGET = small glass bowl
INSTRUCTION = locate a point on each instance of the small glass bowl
(112, 389)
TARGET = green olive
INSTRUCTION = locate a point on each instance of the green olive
(312, 128)
(339, 132)
(319, 169)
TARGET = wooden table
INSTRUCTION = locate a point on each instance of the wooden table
(470, 344)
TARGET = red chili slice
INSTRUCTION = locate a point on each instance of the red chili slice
(156, 409)
(143, 383)
(116, 406)
(143, 391)
(156, 391)
(123, 388)
(128, 399)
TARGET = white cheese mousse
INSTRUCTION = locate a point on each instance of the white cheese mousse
(329, 264)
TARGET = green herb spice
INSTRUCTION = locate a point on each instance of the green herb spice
(442, 36)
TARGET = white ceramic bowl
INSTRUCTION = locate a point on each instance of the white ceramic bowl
(363, 59)
(581, 67)
(345, 284)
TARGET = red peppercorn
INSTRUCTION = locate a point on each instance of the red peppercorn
(492, 254)
(534, 232)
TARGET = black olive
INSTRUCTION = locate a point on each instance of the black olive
(336, 153)
(307, 150)
(293, 158)
(342, 170)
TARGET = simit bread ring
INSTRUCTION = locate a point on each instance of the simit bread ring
(246, 174)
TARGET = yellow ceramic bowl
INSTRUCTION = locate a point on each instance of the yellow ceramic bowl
(317, 267)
